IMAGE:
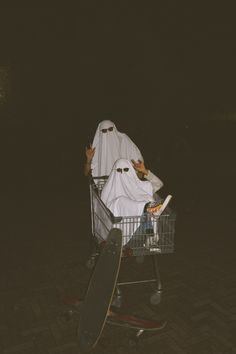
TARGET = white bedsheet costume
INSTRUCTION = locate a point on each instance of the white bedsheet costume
(109, 147)
(126, 195)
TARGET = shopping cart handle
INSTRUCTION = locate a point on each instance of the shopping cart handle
(105, 177)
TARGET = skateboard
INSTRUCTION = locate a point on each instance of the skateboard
(115, 318)
(138, 323)
(100, 292)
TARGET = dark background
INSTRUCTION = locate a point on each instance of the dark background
(164, 72)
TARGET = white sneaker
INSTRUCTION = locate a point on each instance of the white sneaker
(163, 206)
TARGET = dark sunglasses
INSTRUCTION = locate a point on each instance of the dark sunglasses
(126, 169)
(105, 130)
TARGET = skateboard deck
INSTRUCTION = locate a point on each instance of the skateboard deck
(100, 292)
(135, 322)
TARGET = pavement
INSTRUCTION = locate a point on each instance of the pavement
(44, 248)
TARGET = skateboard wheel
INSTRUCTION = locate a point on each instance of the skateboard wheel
(155, 298)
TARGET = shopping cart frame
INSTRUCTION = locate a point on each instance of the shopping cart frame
(158, 240)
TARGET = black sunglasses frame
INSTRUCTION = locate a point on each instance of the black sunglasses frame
(126, 169)
(107, 129)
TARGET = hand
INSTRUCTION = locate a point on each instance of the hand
(154, 209)
(89, 151)
(139, 166)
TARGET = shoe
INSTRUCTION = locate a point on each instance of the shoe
(163, 206)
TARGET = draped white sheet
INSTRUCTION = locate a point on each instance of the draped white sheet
(109, 147)
(126, 195)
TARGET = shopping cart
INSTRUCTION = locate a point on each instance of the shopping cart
(145, 235)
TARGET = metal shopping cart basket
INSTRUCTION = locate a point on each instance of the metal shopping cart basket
(145, 235)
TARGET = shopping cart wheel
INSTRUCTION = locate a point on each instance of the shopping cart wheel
(90, 264)
(155, 298)
(117, 301)
(140, 259)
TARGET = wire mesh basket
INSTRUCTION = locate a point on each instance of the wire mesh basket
(142, 235)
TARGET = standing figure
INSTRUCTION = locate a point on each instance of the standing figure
(108, 146)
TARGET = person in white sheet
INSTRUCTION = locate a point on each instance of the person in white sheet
(108, 145)
(124, 193)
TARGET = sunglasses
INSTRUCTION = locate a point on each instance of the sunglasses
(105, 130)
(126, 169)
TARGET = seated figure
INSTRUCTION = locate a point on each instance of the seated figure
(124, 193)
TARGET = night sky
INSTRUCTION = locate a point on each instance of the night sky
(148, 66)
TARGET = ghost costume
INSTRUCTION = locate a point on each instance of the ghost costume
(126, 195)
(109, 147)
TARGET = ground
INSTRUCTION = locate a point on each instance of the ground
(44, 248)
